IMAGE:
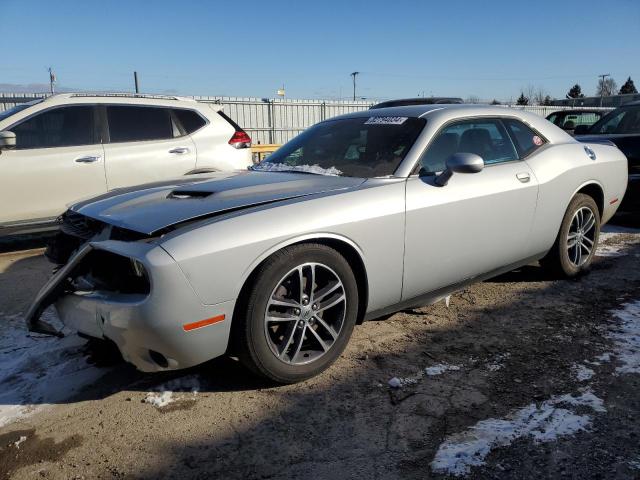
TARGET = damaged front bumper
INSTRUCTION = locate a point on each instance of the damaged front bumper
(147, 325)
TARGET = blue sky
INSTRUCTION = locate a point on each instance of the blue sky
(486, 48)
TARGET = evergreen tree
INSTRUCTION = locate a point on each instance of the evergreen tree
(628, 87)
(575, 92)
(522, 100)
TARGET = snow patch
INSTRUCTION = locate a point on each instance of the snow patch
(168, 392)
(605, 357)
(440, 368)
(626, 337)
(17, 443)
(609, 250)
(582, 373)
(544, 423)
(497, 362)
(614, 249)
(36, 371)
(282, 167)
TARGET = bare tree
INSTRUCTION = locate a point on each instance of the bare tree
(529, 92)
(472, 99)
(606, 87)
(539, 96)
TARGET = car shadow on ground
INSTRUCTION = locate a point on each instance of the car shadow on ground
(24, 242)
(347, 420)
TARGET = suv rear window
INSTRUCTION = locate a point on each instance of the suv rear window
(133, 124)
(190, 120)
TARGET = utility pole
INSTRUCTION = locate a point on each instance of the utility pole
(353, 74)
(52, 80)
(135, 79)
(603, 76)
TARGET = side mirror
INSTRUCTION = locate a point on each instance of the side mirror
(581, 130)
(7, 140)
(460, 163)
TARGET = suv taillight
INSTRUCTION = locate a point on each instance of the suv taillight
(240, 139)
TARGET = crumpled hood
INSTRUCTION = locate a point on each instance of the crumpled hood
(147, 209)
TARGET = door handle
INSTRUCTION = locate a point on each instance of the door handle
(179, 150)
(88, 159)
(523, 177)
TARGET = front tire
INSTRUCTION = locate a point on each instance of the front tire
(300, 311)
(574, 248)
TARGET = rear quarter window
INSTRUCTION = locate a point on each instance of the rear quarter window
(190, 120)
(526, 139)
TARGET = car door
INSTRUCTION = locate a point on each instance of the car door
(145, 145)
(476, 223)
(57, 161)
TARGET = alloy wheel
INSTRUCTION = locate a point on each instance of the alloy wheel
(581, 236)
(305, 314)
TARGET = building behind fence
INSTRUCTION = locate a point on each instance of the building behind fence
(275, 121)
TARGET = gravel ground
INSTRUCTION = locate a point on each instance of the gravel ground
(519, 377)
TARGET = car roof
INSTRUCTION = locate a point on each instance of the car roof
(417, 111)
(417, 101)
(118, 95)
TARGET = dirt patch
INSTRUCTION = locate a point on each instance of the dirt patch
(521, 341)
(22, 448)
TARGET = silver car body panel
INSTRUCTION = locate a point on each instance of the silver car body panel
(163, 206)
(416, 241)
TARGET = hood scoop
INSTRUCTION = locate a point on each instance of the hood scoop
(187, 194)
(151, 209)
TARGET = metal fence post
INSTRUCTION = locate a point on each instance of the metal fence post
(272, 130)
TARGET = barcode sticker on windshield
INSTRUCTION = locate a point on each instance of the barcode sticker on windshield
(385, 121)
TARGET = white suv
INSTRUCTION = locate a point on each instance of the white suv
(68, 147)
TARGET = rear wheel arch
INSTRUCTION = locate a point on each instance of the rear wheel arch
(595, 191)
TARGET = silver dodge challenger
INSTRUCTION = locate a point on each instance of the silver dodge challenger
(357, 217)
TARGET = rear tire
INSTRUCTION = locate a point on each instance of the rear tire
(573, 251)
(300, 311)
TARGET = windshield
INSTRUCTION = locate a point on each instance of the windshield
(620, 121)
(354, 147)
(16, 109)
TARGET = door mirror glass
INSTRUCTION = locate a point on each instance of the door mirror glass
(461, 162)
(7, 140)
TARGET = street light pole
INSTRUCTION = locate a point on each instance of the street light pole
(603, 76)
(52, 80)
(353, 74)
(135, 81)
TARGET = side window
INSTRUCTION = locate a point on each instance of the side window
(134, 124)
(59, 127)
(190, 120)
(525, 138)
(484, 137)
